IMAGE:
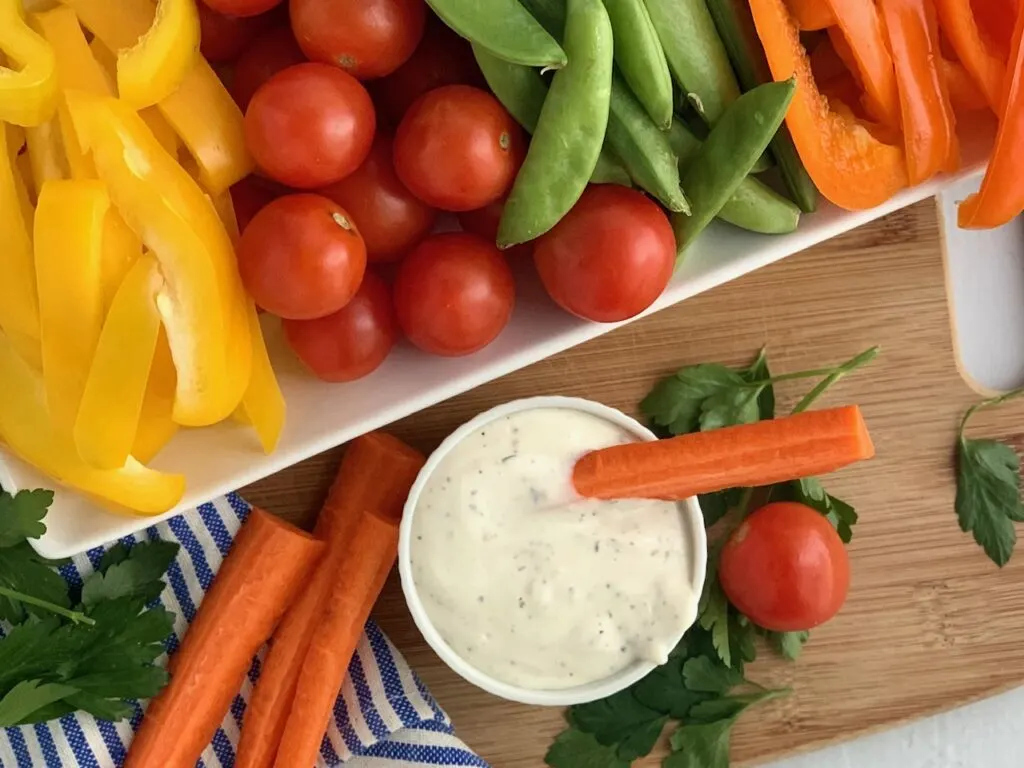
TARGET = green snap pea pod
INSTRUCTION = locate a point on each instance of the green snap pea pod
(736, 28)
(522, 91)
(643, 149)
(505, 28)
(550, 14)
(640, 58)
(731, 150)
(695, 55)
(570, 130)
(755, 206)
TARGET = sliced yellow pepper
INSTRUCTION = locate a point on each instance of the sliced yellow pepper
(168, 210)
(69, 256)
(263, 404)
(201, 110)
(156, 422)
(46, 155)
(15, 138)
(155, 67)
(19, 307)
(108, 417)
(22, 173)
(121, 249)
(26, 428)
(28, 96)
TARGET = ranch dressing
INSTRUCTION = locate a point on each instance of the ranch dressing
(531, 584)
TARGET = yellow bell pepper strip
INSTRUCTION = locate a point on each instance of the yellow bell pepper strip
(22, 181)
(1001, 197)
(157, 64)
(168, 210)
(108, 417)
(26, 428)
(980, 59)
(201, 110)
(263, 404)
(156, 423)
(849, 165)
(68, 239)
(46, 153)
(121, 249)
(28, 96)
(929, 126)
(860, 25)
(19, 307)
(15, 138)
(27, 348)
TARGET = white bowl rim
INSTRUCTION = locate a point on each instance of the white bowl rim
(553, 698)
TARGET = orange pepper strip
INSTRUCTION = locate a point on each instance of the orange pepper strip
(849, 166)
(963, 93)
(995, 21)
(980, 59)
(862, 27)
(811, 15)
(929, 127)
(1001, 197)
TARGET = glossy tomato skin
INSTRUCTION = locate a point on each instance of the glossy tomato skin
(785, 568)
(366, 38)
(441, 58)
(250, 196)
(458, 148)
(301, 257)
(222, 38)
(268, 54)
(454, 294)
(352, 342)
(390, 218)
(242, 7)
(610, 257)
(310, 125)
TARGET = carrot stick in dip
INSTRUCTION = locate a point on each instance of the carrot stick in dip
(267, 565)
(806, 444)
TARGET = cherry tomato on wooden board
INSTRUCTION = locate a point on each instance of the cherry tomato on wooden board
(352, 342)
(302, 257)
(610, 257)
(267, 55)
(242, 7)
(484, 222)
(458, 148)
(785, 568)
(442, 58)
(454, 294)
(390, 218)
(366, 38)
(223, 38)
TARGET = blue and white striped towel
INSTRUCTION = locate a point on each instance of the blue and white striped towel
(384, 716)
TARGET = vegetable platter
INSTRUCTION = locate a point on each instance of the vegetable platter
(147, 172)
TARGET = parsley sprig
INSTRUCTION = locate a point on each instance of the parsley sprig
(76, 649)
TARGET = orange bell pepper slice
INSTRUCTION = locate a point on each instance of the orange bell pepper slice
(28, 95)
(811, 15)
(963, 93)
(860, 25)
(929, 127)
(1001, 197)
(156, 65)
(995, 20)
(980, 58)
(847, 163)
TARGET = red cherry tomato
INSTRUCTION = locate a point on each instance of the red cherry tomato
(458, 149)
(366, 38)
(310, 125)
(441, 58)
(610, 257)
(302, 257)
(454, 294)
(223, 38)
(353, 341)
(390, 218)
(484, 222)
(251, 195)
(267, 55)
(242, 7)
(785, 568)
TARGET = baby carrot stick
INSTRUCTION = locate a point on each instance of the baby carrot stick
(375, 474)
(805, 444)
(265, 568)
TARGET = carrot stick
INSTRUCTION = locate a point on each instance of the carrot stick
(810, 443)
(375, 474)
(263, 572)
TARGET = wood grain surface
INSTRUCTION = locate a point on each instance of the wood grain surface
(930, 622)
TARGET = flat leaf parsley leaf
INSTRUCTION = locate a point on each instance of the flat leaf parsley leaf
(575, 749)
(21, 516)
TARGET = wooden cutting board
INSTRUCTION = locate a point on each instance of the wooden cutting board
(930, 623)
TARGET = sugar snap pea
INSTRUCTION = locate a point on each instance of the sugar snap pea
(736, 27)
(522, 91)
(505, 28)
(643, 149)
(550, 14)
(731, 149)
(570, 130)
(695, 54)
(754, 206)
(640, 58)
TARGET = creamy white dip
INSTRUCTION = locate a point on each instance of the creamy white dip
(531, 584)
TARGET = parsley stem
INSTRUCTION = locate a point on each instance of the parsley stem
(836, 374)
(76, 616)
(990, 402)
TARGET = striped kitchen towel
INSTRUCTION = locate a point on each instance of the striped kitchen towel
(384, 716)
